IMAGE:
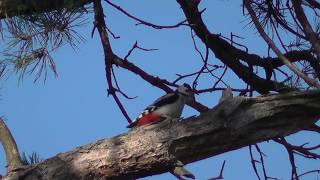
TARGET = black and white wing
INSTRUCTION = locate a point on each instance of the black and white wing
(161, 101)
(169, 98)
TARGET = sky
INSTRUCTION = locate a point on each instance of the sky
(73, 109)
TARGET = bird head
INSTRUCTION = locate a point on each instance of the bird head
(186, 90)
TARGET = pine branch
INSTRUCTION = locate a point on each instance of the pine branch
(11, 8)
(234, 123)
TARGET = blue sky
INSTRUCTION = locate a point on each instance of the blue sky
(73, 109)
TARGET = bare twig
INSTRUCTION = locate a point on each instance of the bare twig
(272, 45)
(262, 162)
(145, 22)
(221, 172)
(217, 89)
(118, 89)
(224, 51)
(307, 29)
(108, 55)
(253, 162)
(205, 65)
(301, 150)
(294, 173)
(136, 46)
(309, 172)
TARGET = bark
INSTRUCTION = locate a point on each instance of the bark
(10, 8)
(148, 150)
(9, 146)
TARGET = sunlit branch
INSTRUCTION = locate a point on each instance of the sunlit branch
(10, 147)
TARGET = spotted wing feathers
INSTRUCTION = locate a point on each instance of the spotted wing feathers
(147, 111)
(147, 115)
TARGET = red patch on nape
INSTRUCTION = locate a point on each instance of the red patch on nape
(149, 118)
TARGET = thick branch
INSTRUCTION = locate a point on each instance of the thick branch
(224, 51)
(10, 8)
(232, 124)
(10, 147)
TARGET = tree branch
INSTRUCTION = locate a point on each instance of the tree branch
(314, 3)
(145, 22)
(108, 54)
(10, 147)
(271, 44)
(307, 29)
(232, 124)
(224, 51)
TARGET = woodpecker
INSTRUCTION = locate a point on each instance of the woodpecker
(167, 106)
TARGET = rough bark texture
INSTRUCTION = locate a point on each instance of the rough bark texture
(154, 149)
(9, 146)
(9, 8)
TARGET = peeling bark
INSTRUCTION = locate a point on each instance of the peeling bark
(232, 124)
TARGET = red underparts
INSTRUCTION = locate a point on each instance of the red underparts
(149, 118)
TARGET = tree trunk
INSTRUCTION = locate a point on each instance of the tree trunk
(148, 150)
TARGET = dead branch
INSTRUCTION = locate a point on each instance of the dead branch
(224, 51)
(271, 44)
(140, 21)
(232, 124)
(307, 28)
(108, 55)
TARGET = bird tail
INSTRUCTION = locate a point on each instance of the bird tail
(131, 125)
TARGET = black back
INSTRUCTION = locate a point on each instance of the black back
(169, 100)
